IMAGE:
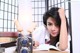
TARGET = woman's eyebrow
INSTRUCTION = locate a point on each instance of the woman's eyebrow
(48, 22)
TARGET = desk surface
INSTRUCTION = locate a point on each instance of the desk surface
(12, 49)
(50, 51)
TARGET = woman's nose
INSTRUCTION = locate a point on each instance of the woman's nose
(53, 28)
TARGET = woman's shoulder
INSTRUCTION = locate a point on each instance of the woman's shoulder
(42, 27)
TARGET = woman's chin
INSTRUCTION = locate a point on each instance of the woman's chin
(54, 35)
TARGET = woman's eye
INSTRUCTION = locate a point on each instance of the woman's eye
(49, 24)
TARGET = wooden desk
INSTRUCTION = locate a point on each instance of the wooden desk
(52, 51)
(12, 49)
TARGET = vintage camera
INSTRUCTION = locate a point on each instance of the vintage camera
(24, 44)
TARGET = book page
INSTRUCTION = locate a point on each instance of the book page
(46, 47)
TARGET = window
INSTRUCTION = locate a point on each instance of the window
(38, 7)
(8, 12)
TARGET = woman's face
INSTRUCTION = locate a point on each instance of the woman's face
(53, 29)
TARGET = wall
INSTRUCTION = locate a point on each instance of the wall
(75, 13)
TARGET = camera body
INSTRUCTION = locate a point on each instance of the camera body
(24, 44)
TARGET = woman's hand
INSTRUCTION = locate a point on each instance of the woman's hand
(61, 13)
(36, 44)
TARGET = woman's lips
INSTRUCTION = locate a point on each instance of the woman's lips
(54, 33)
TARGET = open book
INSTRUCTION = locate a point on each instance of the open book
(46, 47)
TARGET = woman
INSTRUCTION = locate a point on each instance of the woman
(54, 31)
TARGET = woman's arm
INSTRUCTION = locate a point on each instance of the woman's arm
(63, 40)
